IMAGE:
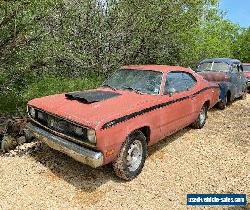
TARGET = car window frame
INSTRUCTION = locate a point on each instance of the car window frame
(212, 66)
(182, 72)
(131, 69)
(234, 68)
(193, 77)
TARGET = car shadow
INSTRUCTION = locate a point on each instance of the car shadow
(166, 141)
(214, 109)
(61, 166)
(83, 177)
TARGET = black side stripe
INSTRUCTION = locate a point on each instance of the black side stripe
(149, 109)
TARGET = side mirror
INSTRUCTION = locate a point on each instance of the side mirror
(171, 91)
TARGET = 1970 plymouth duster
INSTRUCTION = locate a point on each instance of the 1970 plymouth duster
(228, 73)
(133, 109)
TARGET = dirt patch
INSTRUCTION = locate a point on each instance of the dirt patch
(215, 159)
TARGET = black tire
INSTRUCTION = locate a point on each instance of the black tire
(244, 95)
(121, 164)
(223, 104)
(201, 120)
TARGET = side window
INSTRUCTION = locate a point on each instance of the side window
(189, 80)
(175, 81)
(234, 68)
(240, 68)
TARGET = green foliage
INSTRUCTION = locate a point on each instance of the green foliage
(54, 85)
(50, 46)
(242, 46)
(10, 103)
(14, 101)
(214, 38)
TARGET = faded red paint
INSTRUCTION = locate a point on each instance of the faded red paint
(246, 73)
(161, 122)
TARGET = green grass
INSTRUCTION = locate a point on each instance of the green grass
(14, 102)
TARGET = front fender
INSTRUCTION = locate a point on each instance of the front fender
(224, 88)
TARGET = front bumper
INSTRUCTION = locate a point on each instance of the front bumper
(79, 153)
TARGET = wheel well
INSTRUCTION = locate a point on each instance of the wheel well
(207, 103)
(146, 131)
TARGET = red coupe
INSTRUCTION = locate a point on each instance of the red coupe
(246, 69)
(133, 109)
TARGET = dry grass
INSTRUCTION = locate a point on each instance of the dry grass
(215, 159)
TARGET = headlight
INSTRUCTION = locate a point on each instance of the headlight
(41, 116)
(91, 136)
(32, 112)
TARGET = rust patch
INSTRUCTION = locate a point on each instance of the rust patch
(109, 153)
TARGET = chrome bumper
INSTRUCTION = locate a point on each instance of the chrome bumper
(81, 154)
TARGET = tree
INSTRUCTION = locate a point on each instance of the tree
(213, 37)
(242, 46)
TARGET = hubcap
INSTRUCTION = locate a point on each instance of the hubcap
(203, 115)
(134, 156)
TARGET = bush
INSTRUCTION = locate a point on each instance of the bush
(14, 101)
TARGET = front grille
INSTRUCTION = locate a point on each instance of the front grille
(60, 125)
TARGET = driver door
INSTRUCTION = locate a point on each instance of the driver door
(179, 112)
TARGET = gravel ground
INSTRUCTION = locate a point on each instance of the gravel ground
(215, 159)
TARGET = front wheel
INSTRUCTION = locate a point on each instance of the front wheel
(201, 120)
(222, 104)
(244, 95)
(132, 156)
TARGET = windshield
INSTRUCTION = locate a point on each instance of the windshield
(246, 67)
(214, 66)
(140, 81)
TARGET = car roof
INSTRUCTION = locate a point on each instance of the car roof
(229, 61)
(160, 68)
(246, 64)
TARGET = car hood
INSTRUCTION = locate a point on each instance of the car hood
(215, 76)
(96, 113)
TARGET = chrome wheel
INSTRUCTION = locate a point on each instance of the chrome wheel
(134, 157)
(203, 115)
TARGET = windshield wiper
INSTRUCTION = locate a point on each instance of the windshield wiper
(130, 88)
(109, 86)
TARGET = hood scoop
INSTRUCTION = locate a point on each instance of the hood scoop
(89, 97)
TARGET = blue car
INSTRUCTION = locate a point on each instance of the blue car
(228, 73)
